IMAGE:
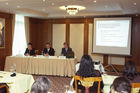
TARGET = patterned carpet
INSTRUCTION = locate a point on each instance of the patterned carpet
(58, 83)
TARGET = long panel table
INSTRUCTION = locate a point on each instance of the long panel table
(41, 65)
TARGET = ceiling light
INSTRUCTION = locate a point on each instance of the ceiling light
(135, 3)
(7, 3)
(94, 1)
(43, 9)
(106, 6)
(72, 9)
(44, 0)
(52, 3)
(18, 6)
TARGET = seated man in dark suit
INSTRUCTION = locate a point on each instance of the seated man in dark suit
(29, 51)
(66, 49)
(48, 51)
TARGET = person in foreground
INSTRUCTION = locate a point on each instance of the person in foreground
(29, 51)
(121, 85)
(3, 89)
(41, 85)
(66, 49)
(87, 70)
(48, 50)
(130, 72)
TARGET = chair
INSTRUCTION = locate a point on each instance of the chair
(87, 82)
(135, 87)
(5, 86)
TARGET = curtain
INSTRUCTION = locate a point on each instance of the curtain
(27, 29)
(13, 28)
(19, 39)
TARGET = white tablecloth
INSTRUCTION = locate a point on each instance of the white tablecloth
(21, 83)
(42, 65)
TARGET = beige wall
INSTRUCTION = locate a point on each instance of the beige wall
(59, 34)
(116, 60)
(77, 39)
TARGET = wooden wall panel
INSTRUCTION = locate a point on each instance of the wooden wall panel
(86, 32)
(135, 42)
(7, 51)
(40, 33)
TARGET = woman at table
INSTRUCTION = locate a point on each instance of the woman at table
(29, 51)
(130, 72)
(87, 70)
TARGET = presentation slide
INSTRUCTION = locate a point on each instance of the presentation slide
(112, 36)
(112, 33)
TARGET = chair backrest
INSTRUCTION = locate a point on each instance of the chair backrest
(5, 86)
(135, 87)
(87, 82)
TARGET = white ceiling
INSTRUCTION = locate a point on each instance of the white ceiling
(50, 8)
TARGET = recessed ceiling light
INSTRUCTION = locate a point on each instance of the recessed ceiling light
(44, 0)
(7, 3)
(135, 3)
(106, 6)
(52, 3)
(136, 10)
(94, 1)
(18, 6)
(43, 9)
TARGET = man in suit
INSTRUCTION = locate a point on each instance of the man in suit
(66, 49)
(29, 51)
(48, 51)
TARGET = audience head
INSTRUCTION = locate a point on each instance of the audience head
(41, 85)
(86, 66)
(48, 45)
(121, 85)
(66, 45)
(30, 46)
(129, 70)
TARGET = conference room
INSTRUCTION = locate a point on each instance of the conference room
(69, 46)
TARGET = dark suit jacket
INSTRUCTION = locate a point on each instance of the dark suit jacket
(64, 52)
(50, 52)
(31, 53)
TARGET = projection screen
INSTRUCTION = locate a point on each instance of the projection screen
(112, 36)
